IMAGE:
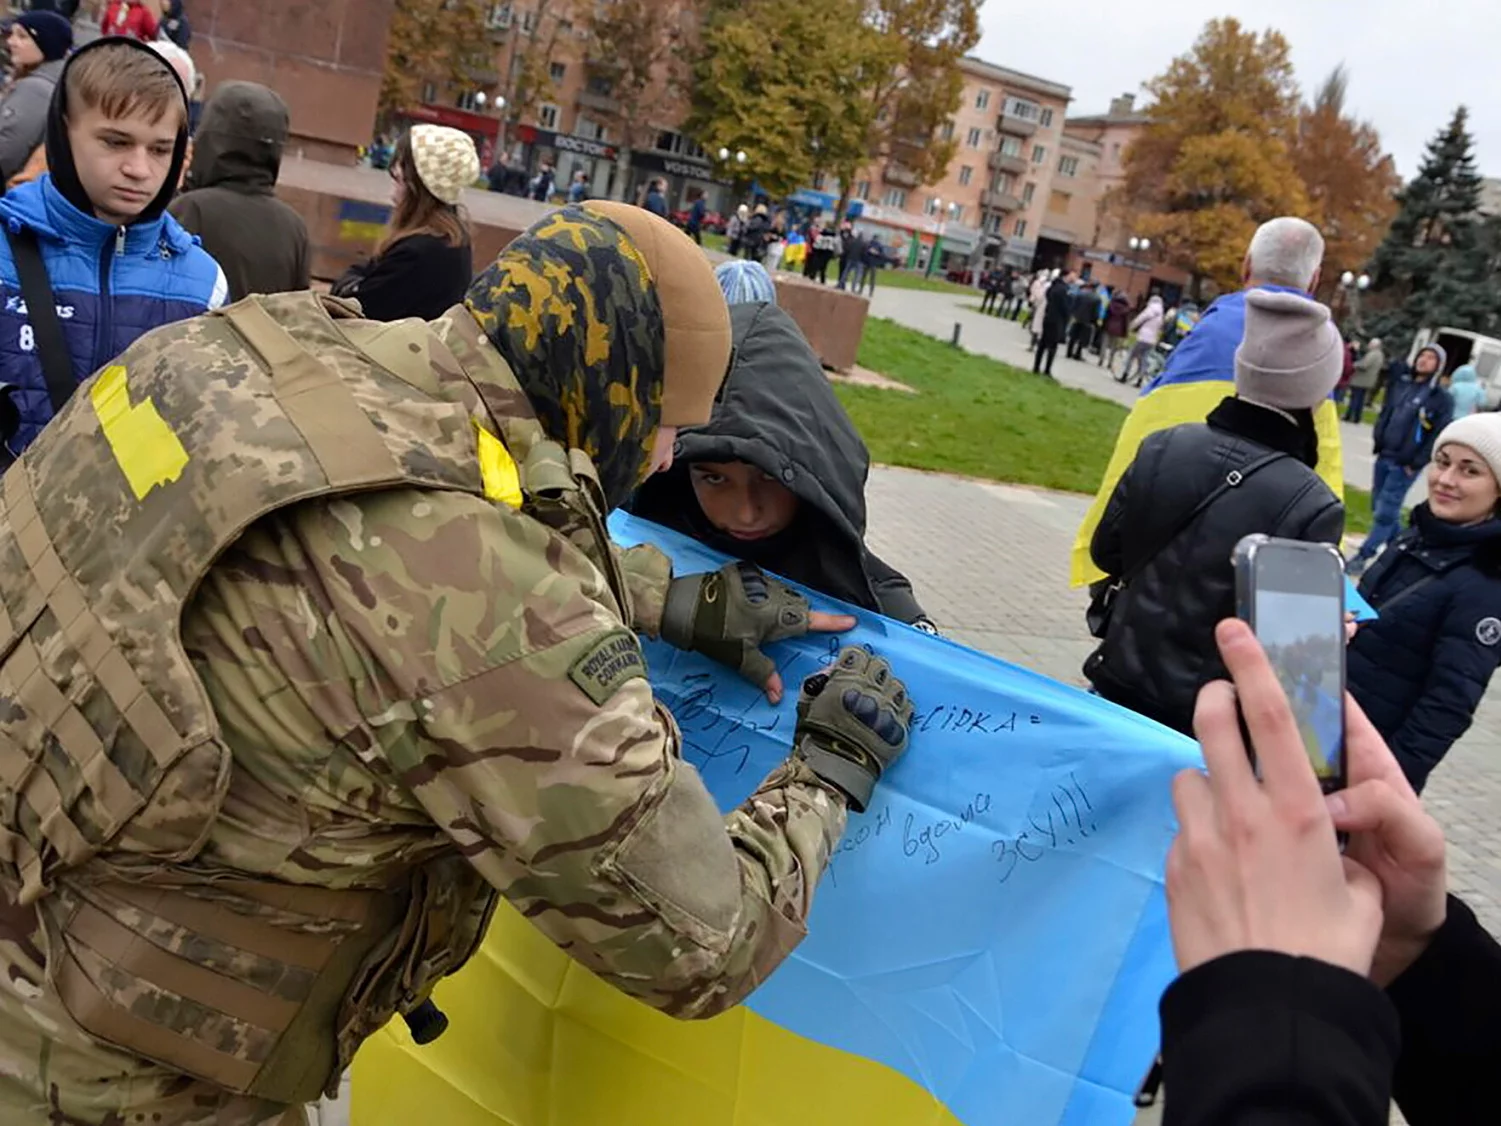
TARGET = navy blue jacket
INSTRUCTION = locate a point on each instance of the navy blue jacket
(112, 285)
(1411, 418)
(1420, 669)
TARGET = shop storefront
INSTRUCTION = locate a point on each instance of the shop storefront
(569, 155)
(684, 176)
(485, 130)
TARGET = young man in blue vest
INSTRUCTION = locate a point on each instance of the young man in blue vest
(116, 263)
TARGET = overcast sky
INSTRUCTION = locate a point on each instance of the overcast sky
(1410, 61)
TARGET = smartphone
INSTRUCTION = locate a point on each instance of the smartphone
(1293, 596)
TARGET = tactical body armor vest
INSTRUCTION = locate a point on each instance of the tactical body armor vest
(112, 769)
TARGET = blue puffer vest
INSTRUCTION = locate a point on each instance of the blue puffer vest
(112, 285)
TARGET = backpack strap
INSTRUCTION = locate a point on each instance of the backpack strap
(41, 308)
(1233, 480)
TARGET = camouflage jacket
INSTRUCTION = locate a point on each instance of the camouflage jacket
(413, 677)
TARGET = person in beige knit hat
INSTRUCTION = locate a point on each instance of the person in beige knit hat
(1169, 531)
(424, 264)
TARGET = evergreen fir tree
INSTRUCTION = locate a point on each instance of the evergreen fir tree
(1437, 263)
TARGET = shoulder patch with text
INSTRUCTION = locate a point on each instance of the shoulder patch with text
(1488, 631)
(605, 667)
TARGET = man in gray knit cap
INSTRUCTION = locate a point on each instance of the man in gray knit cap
(1190, 496)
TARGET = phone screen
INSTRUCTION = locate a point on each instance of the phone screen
(1302, 629)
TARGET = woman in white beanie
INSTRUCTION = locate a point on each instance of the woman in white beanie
(423, 265)
(1420, 669)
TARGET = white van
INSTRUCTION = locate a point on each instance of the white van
(1465, 347)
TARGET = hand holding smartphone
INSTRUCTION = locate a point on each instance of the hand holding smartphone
(1292, 594)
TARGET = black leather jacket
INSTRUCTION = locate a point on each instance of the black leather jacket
(1159, 649)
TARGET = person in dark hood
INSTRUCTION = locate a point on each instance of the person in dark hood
(117, 264)
(231, 204)
(1415, 413)
(38, 42)
(777, 477)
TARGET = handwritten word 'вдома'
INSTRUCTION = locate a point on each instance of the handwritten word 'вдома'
(1064, 817)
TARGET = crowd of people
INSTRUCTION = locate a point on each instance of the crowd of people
(1193, 491)
(311, 614)
(812, 245)
(1274, 931)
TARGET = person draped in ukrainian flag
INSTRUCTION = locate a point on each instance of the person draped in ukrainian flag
(1285, 254)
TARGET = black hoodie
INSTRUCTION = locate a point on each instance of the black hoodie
(261, 243)
(778, 413)
(60, 152)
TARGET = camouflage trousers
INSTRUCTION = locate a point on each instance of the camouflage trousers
(54, 1074)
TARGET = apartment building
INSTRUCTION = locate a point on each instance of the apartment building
(992, 203)
(1102, 247)
(580, 124)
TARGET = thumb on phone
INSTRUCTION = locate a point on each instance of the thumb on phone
(1408, 835)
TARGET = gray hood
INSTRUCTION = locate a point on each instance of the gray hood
(778, 412)
(240, 139)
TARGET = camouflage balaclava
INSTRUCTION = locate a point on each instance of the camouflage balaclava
(571, 306)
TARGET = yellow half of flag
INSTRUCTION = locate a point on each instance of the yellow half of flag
(1171, 404)
(536, 1040)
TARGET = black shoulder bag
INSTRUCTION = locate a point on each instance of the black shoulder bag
(1104, 594)
(41, 310)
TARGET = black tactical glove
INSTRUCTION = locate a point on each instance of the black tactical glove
(728, 614)
(852, 722)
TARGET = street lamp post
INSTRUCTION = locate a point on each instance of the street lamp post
(1352, 287)
(738, 158)
(943, 211)
(1137, 245)
(481, 100)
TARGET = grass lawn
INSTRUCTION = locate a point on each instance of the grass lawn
(1357, 510)
(975, 416)
(913, 279)
(981, 418)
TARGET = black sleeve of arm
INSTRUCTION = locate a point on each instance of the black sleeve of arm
(1379, 430)
(1263, 1039)
(385, 289)
(893, 590)
(1449, 1005)
(1107, 547)
(1459, 672)
(1326, 526)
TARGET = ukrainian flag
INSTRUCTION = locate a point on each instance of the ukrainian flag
(988, 945)
(1201, 374)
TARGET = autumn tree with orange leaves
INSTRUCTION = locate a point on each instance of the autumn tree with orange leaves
(431, 40)
(1229, 144)
(1351, 182)
(1214, 160)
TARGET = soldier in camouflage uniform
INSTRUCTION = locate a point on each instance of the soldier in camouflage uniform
(312, 643)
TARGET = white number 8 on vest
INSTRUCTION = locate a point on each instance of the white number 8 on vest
(28, 339)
